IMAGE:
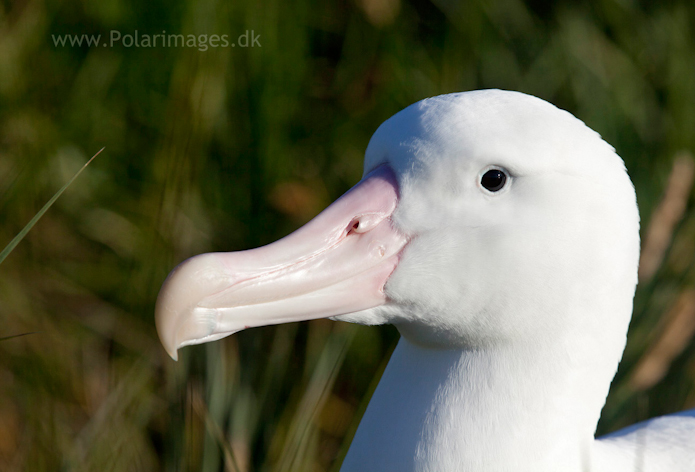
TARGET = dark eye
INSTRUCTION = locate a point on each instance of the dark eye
(494, 180)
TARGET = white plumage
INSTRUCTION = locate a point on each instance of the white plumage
(513, 303)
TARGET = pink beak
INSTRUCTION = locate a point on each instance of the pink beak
(336, 264)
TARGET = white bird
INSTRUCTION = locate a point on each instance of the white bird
(500, 235)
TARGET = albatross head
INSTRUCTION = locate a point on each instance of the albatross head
(480, 218)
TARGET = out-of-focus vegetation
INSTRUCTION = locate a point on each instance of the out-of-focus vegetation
(231, 148)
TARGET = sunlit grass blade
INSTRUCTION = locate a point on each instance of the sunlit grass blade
(294, 454)
(216, 432)
(10, 247)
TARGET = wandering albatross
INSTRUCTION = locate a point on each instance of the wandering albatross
(500, 235)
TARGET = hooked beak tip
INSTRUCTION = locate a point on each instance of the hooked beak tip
(176, 318)
(174, 354)
(166, 334)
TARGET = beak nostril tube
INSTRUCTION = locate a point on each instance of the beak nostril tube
(366, 222)
(353, 226)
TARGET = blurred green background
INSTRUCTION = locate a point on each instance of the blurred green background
(232, 148)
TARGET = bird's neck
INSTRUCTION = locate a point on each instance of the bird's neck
(534, 403)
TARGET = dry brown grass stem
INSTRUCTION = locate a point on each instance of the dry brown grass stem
(667, 215)
(230, 461)
(678, 330)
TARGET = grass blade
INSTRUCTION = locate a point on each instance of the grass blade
(5, 338)
(10, 247)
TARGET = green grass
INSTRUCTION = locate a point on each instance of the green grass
(232, 148)
(12, 244)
